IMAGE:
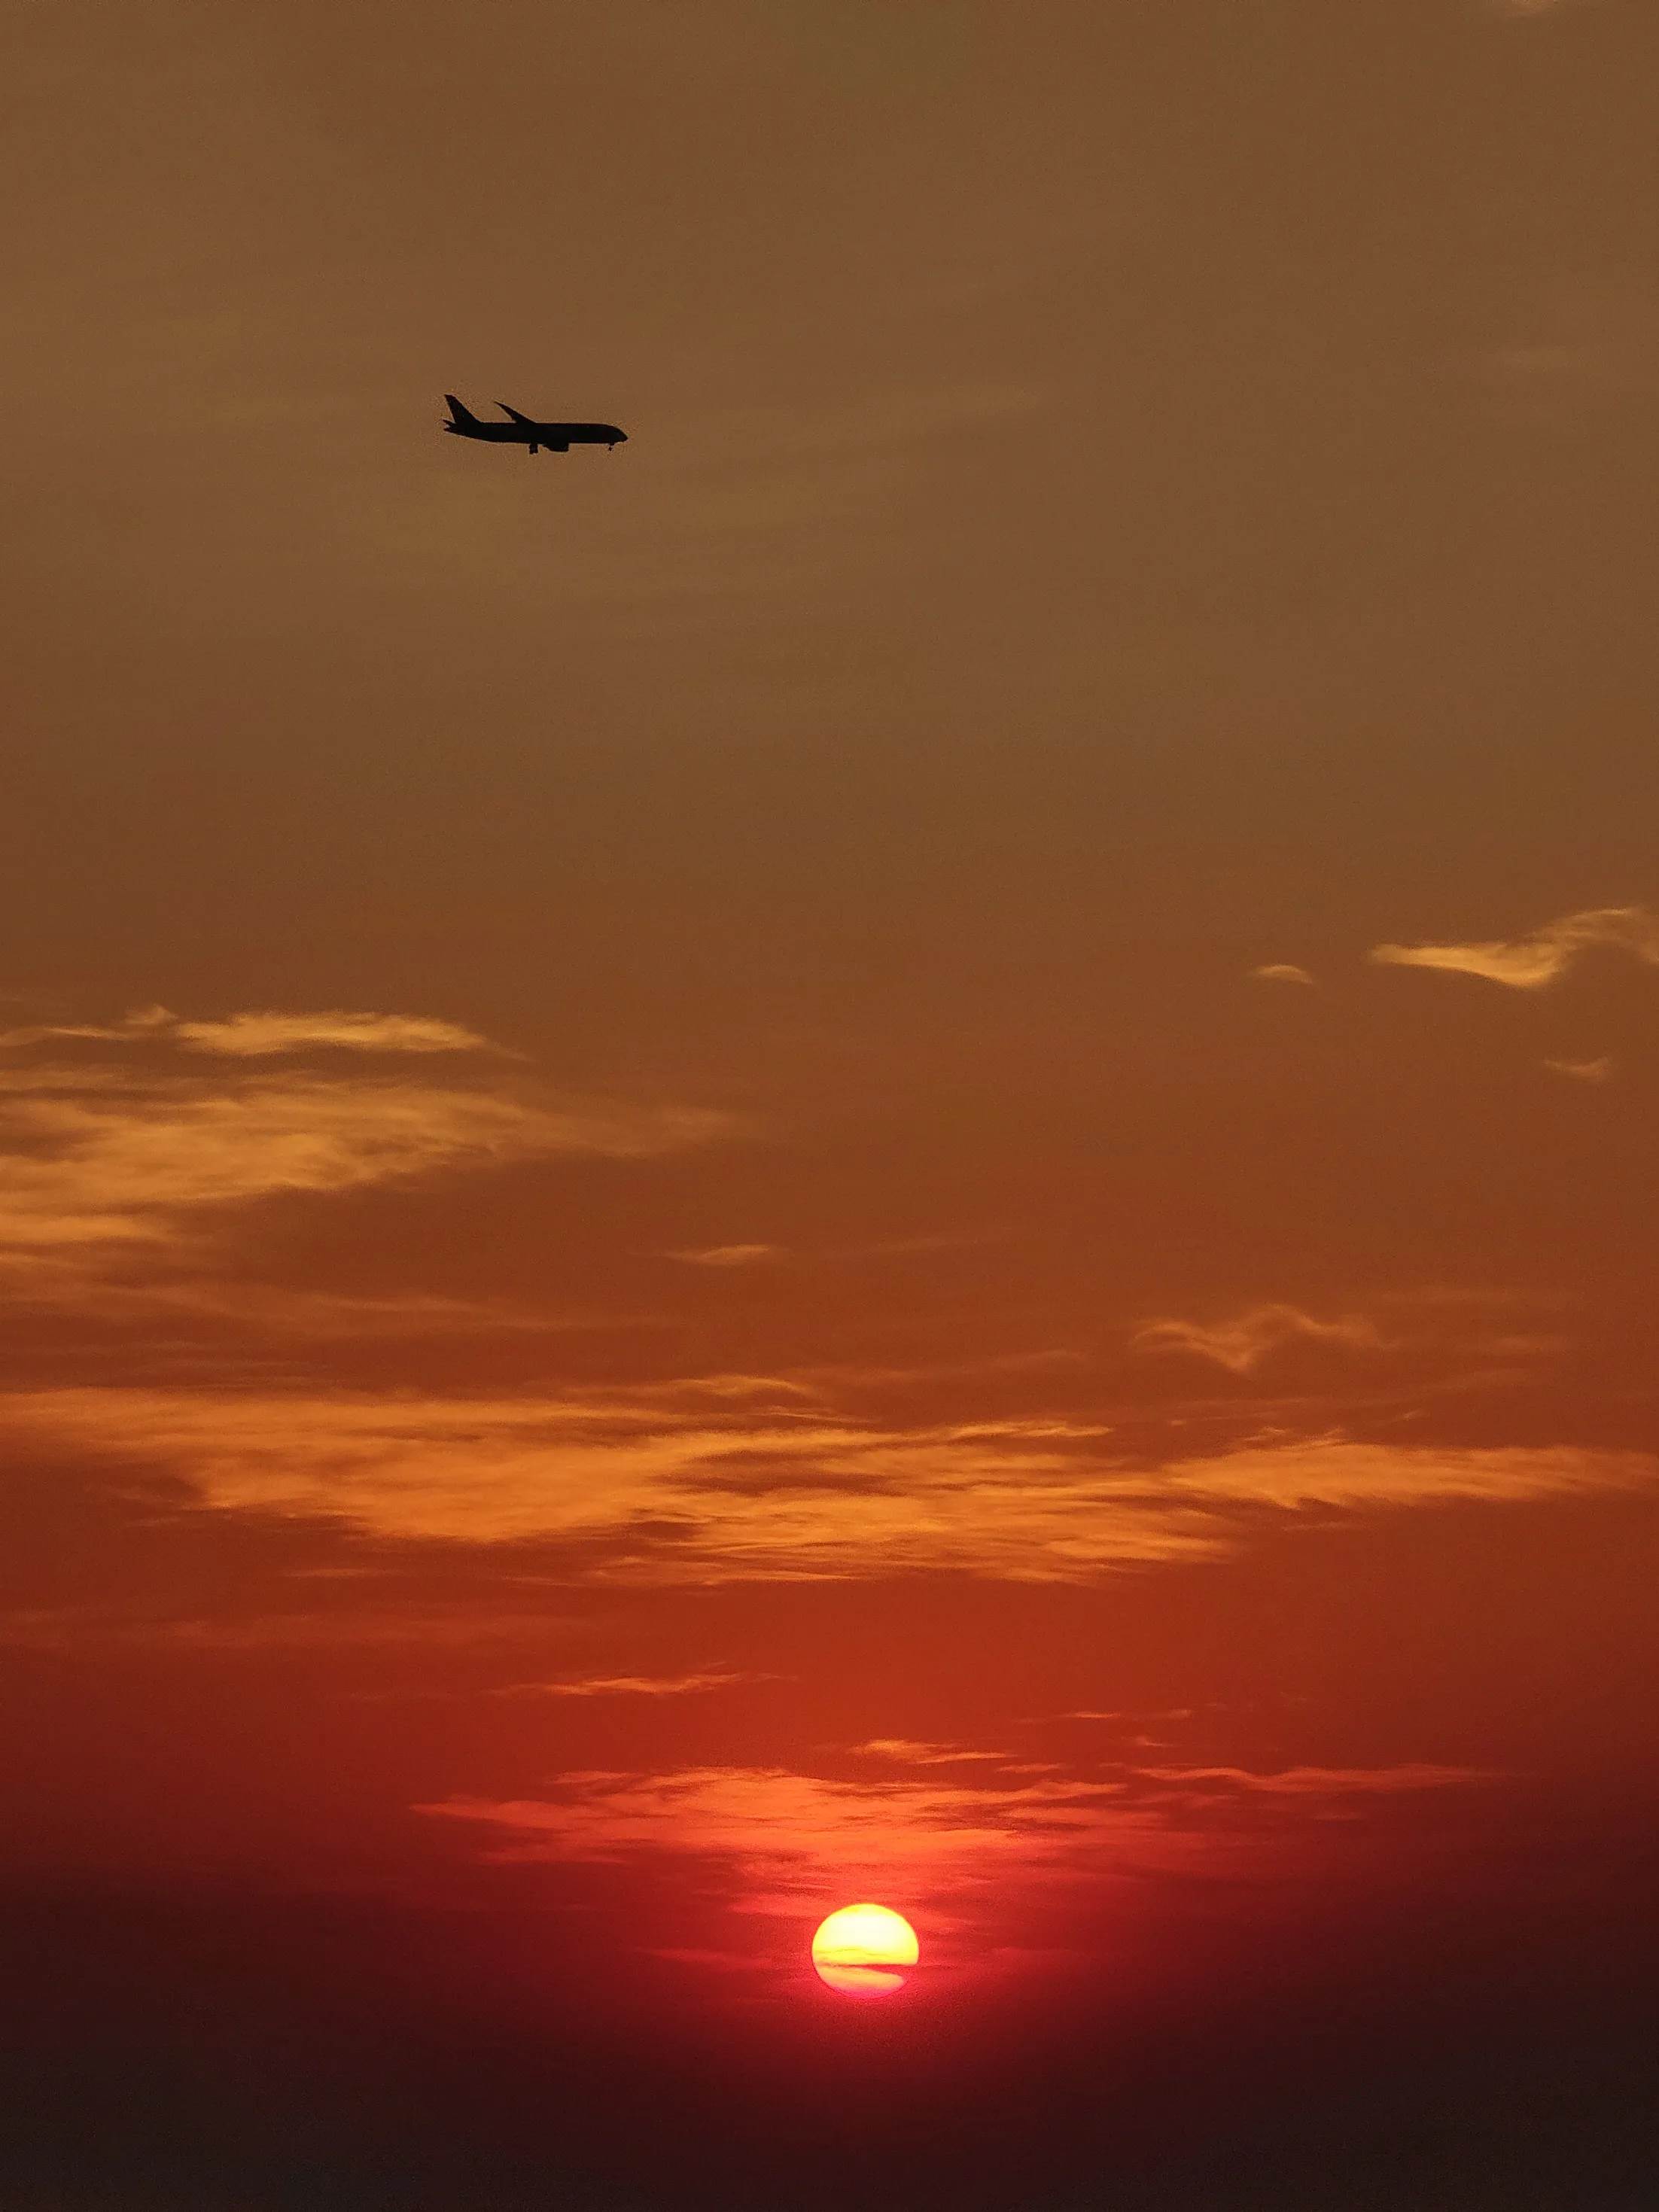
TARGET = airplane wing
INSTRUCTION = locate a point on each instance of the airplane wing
(513, 412)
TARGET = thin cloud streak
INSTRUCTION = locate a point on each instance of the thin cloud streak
(1242, 1343)
(263, 1035)
(728, 1255)
(1585, 1071)
(903, 1751)
(259, 1036)
(1321, 1781)
(1334, 1472)
(1282, 971)
(1528, 963)
(633, 1685)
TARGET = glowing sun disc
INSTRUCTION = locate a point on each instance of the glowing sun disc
(865, 1950)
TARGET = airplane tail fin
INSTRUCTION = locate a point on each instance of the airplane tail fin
(457, 412)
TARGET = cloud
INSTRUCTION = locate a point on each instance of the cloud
(631, 1491)
(1117, 1714)
(1528, 963)
(902, 1751)
(646, 1492)
(134, 1027)
(1333, 1471)
(791, 1839)
(795, 1834)
(258, 1035)
(1586, 1071)
(887, 1247)
(1321, 1781)
(633, 1685)
(1280, 971)
(1240, 1345)
(265, 1034)
(683, 1387)
(728, 1255)
(89, 1157)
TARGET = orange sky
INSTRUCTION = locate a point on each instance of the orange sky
(901, 1146)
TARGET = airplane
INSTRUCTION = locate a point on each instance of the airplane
(525, 430)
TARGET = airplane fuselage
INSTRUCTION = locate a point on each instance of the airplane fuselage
(557, 437)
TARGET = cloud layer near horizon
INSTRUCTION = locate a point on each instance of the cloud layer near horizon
(784, 1838)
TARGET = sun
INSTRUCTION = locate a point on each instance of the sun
(865, 1950)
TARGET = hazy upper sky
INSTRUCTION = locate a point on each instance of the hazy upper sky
(899, 1146)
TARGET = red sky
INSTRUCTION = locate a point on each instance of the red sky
(901, 1146)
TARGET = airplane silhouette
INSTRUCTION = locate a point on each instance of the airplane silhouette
(524, 430)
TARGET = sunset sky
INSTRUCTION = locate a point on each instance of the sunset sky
(901, 1147)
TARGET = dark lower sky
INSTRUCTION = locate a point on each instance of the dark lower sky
(900, 1147)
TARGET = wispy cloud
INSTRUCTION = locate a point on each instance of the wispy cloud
(633, 1685)
(631, 1491)
(650, 1492)
(1120, 1718)
(793, 1833)
(791, 1839)
(1319, 1781)
(903, 1751)
(1586, 1071)
(1280, 971)
(104, 1155)
(264, 1036)
(1528, 963)
(728, 1255)
(259, 1036)
(886, 1248)
(1241, 1343)
(1336, 1472)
